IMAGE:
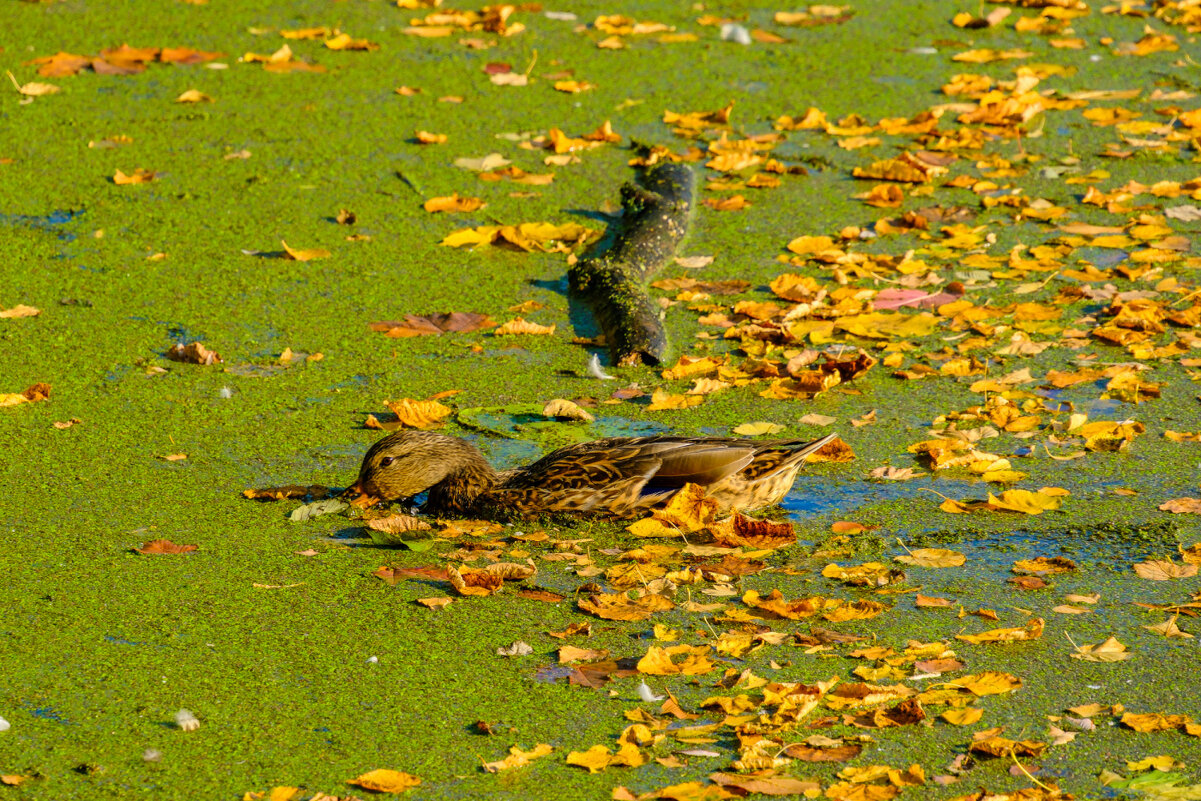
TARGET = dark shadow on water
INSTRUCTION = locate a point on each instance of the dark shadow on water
(593, 214)
(558, 285)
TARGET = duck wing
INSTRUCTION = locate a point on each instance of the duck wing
(663, 464)
(622, 475)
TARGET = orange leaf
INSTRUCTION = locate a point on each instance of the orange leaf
(163, 546)
(453, 203)
(303, 255)
(386, 781)
(519, 325)
(138, 176)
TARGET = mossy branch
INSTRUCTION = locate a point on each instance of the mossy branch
(612, 279)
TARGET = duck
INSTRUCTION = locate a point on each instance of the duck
(619, 477)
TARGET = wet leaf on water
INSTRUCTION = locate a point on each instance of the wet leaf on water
(517, 758)
(573, 630)
(851, 527)
(1179, 506)
(621, 607)
(385, 781)
(966, 716)
(411, 413)
(1043, 566)
(662, 400)
(546, 596)
(1168, 628)
(570, 653)
(757, 429)
(896, 473)
(32, 394)
(1031, 631)
(138, 176)
(1003, 747)
(1154, 721)
(415, 325)
(288, 492)
(1161, 763)
(193, 96)
(673, 660)
(566, 410)
(1164, 570)
(739, 531)
(317, 508)
(1108, 651)
(453, 204)
(767, 785)
(193, 353)
(296, 254)
(598, 758)
(520, 326)
(932, 557)
(809, 753)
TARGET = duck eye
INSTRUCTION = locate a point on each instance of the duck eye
(387, 460)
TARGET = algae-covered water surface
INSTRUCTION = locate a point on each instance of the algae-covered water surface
(966, 244)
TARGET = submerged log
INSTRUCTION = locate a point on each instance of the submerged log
(611, 279)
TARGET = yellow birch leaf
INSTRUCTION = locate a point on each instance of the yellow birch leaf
(990, 682)
(595, 759)
(1031, 631)
(386, 781)
(966, 716)
(519, 325)
(660, 661)
(303, 255)
(193, 96)
(453, 203)
(518, 758)
(932, 557)
(757, 429)
(1109, 651)
(1024, 501)
(1157, 762)
(661, 400)
(138, 176)
(418, 413)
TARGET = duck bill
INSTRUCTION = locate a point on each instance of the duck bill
(355, 495)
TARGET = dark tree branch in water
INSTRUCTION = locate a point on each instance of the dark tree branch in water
(612, 280)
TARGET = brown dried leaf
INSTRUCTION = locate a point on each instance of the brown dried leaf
(193, 353)
(289, 492)
(163, 547)
(621, 607)
(1164, 570)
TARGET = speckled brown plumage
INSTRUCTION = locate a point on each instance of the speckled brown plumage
(620, 476)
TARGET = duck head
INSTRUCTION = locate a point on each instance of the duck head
(408, 463)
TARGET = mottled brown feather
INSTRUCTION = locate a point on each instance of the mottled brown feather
(619, 476)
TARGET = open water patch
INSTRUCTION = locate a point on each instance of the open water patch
(44, 222)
